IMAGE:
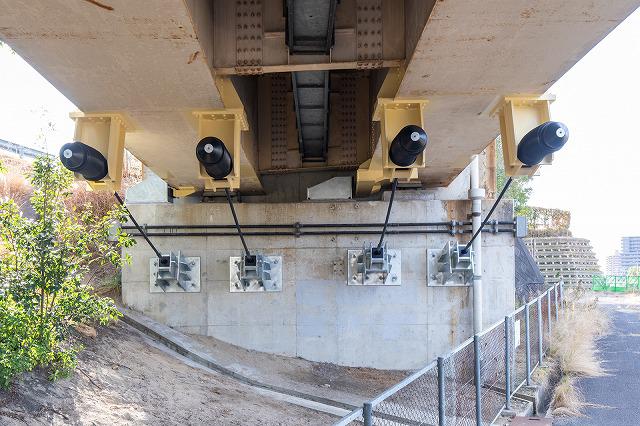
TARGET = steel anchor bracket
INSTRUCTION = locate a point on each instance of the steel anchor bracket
(174, 272)
(450, 266)
(255, 273)
(374, 266)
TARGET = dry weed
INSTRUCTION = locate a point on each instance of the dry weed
(573, 345)
(567, 399)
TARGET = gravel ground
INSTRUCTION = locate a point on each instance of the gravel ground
(123, 379)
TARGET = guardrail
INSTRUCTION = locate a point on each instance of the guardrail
(473, 383)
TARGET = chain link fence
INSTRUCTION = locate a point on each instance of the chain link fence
(459, 385)
(518, 356)
(493, 352)
(473, 383)
(534, 333)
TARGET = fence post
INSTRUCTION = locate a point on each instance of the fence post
(549, 313)
(478, 377)
(539, 309)
(507, 362)
(555, 296)
(367, 414)
(441, 397)
(561, 286)
(527, 338)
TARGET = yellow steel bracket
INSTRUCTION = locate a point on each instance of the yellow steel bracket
(393, 115)
(518, 115)
(104, 132)
(227, 125)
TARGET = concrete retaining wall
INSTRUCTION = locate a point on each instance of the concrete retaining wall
(317, 316)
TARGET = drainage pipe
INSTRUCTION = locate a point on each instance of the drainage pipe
(476, 194)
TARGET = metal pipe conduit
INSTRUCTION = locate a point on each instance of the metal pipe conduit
(314, 225)
(308, 233)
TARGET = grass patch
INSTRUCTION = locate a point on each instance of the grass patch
(573, 348)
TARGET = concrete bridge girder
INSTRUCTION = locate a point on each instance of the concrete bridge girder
(156, 62)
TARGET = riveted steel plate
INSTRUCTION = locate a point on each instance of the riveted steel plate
(354, 276)
(275, 284)
(192, 286)
(456, 280)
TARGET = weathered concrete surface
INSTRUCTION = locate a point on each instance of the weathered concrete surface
(293, 377)
(317, 316)
(471, 53)
(150, 60)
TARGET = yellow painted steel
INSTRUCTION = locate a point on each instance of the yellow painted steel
(183, 191)
(518, 114)
(104, 132)
(393, 114)
(226, 125)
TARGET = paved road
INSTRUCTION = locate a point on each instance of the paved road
(620, 391)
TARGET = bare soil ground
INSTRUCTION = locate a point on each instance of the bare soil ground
(352, 385)
(123, 378)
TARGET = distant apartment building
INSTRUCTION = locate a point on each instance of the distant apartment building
(613, 266)
(559, 255)
(628, 256)
(565, 258)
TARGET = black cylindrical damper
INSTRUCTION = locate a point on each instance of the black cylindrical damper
(215, 157)
(83, 159)
(542, 141)
(407, 145)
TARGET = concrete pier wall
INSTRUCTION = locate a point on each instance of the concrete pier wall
(317, 316)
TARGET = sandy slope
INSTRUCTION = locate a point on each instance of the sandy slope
(123, 379)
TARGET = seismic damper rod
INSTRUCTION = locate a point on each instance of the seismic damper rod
(142, 232)
(235, 219)
(394, 186)
(486, 219)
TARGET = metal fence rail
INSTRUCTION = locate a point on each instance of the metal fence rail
(615, 283)
(473, 383)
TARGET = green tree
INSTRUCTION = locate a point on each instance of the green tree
(43, 264)
(519, 190)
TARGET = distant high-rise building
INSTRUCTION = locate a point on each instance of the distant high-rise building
(628, 256)
(613, 265)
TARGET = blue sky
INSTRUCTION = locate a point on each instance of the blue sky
(596, 176)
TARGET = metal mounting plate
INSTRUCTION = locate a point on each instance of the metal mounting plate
(354, 277)
(457, 280)
(235, 285)
(194, 264)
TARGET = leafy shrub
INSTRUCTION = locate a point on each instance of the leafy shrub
(43, 263)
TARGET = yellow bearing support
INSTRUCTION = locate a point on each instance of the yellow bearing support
(518, 114)
(105, 132)
(393, 115)
(227, 125)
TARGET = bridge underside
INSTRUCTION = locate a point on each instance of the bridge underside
(157, 61)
